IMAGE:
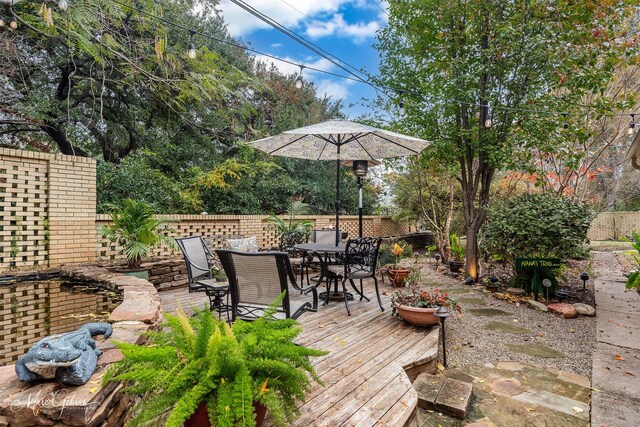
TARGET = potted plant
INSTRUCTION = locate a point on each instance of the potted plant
(137, 231)
(200, 371)
(633, 281)
(395, 252)
(490, 283)
(417, 306)
(457, 253)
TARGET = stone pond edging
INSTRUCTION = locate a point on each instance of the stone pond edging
(53, 404)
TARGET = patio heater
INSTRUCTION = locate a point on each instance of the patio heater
(360, 169)
(442, 313)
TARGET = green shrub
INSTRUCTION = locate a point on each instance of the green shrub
(536, 225)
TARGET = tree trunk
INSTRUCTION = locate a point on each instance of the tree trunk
(65, 146)
(471, 252)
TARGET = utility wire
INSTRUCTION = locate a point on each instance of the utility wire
(230, 43)
(353, 77)
(301, 40)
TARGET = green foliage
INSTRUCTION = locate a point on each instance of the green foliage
(457, 250)
(450, 61)
(536, 225)
(136, 229)
(205, 360)
(291, 224)
(633, 282)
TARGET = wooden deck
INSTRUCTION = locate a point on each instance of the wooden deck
(365, 382)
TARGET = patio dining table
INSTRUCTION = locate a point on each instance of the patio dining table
(325, 251)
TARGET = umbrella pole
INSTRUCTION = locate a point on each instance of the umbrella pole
(338, 198)
(359, 206)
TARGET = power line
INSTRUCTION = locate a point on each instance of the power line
(301, 40)
(230, 43)
(294, 8)
(352, 77)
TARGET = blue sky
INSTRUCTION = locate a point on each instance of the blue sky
(344, 28)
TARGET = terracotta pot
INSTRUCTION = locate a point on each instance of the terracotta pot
(456, 266)
(418, 316)
(200, 418)
(397, 277)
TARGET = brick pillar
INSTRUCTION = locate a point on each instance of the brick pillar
(72, 210)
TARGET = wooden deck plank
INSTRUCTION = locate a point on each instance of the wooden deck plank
(365, 383)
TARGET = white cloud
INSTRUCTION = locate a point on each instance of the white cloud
(276, 45)
(240, 22)
(339, 27)
(332, 89)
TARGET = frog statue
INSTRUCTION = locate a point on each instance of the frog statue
(71, 357)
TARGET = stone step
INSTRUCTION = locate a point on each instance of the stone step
(445, 395)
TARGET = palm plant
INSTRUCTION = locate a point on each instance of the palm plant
(291, 224)
(136, 230)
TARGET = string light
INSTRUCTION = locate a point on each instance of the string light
(487, 121)
(401, 109)
(299, 82)
(191, 53)
(566, 124)
(13, 24)
(632, 125)
(2, 23)
(63, 5)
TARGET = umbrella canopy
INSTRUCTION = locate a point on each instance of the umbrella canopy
(340, 140)
(354, 140)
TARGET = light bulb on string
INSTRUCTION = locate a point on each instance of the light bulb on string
(13, 24)
(566, 124)
(191, 52)
(63, 5)
(487, 120)
(299, 82)
(632, 125)
(402, 111)
(2, 23)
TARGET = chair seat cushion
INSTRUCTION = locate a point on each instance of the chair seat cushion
(357, 271)
(336, 269)
(296, 261)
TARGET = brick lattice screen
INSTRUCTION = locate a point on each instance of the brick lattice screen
(217, 228)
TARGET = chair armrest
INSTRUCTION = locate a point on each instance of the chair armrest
(314, 291)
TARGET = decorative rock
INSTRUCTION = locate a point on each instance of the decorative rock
(508, 387)
(516, 292)
(510, 366)
(536, 305)
(428, 387)
(584, 309)
(454, 398)
(567, 310)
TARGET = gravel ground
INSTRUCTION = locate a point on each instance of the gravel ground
(468, 342)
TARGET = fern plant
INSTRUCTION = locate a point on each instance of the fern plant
(633, 282)
(136, 229)
(202, 359)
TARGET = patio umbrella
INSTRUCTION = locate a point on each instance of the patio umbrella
(340, 140)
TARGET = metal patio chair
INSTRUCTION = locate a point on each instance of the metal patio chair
(360, 261)
(299, 259)
(199, 261)
(257, 279)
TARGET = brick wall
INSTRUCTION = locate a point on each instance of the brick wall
(47, 209)
(217, 228)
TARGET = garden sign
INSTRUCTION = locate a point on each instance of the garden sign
(536, 265)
